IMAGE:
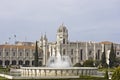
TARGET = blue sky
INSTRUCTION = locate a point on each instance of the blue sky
(86, 20)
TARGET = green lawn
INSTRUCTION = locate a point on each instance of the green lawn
(109, 69)
(2, 78)
(85, 78)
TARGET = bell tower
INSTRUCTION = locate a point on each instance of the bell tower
(62, 35)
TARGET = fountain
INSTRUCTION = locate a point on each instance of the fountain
(58, 61)
(57, 67)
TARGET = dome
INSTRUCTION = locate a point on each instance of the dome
(62, 28)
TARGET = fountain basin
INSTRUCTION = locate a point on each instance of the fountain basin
(57, 72)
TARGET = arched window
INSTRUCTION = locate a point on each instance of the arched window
(81, 54)
(117, 53)
(13, 62)
(6, 53)
(72, 51)
(20, 53)
(7, 62)
(90, 52)
(63, 51)
(72, 60)
(1, 62)
(27, 54)
(0, 53)
(27, 62)
(98, 55)
(20, 62)
(33, 62)
(63, 41)
(40, 54)
(13, 53)
(40, 63)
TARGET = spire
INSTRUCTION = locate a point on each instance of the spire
(41, 39)
(62, 24)
(45, 37)
(62, 28)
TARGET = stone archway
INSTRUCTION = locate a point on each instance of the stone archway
(40, 63)
(20, 62)
(14, 62)
(7, 62)
(1, 62)
(27, 63)
(33, 63)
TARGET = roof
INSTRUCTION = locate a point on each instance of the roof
(62, 28)
(17, 46)
(106, 42)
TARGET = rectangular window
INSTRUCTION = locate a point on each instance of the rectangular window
(81, 54)
(13, 53)
(90, 52)
(20, 53)
(117, 53)
(63, 51)
(98, 56)
(27, 54)
(72, 51)
(72, 60)
(6, 53)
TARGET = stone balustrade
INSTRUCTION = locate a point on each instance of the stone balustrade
(46, 71)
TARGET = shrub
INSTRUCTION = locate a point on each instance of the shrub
(106, 76)
(88, 63)
(116, 74)
(77, 65)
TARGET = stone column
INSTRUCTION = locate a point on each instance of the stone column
(86, 51)
(45, 72)
(10, 56)
(24, 56)
(30, 59)
(77, 54)
(17, 56)
(40, 72)
(3, 64)
(94, 57)
(55, 72)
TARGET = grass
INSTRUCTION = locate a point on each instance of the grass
(104, 69)
(82, 78)
(2, 78)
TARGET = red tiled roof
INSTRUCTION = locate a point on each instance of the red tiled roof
(106, 42)
(17, 46)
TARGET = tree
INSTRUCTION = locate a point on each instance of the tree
(112, 57)
(103, 59)
(106, 76)
(97, 63)
(88, 63)
(36, 56)
(116, 74)
(77, 65)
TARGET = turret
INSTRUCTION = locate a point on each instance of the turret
(62, 35)
(45, 49)
(41, 42)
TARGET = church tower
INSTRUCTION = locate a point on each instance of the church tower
(62, 35)
(45, 49)
(62, 39)
(43, 44)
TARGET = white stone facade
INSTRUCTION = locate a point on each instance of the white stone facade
(23, 52)
(78, 51)
(18, 55)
